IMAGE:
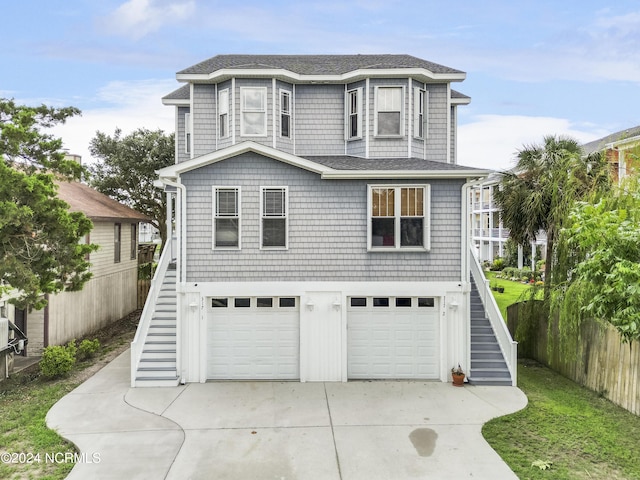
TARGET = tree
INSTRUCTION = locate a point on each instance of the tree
(539, 194)
(39, 238)
(602, 241)
(23, 145)
(127, 167)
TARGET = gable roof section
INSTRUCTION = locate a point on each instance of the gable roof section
(95, 205)
(310, 67)
(612, 140)
(333, 167)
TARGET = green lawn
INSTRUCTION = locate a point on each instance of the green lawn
(579, 434)
(513, 292)
(28, 448)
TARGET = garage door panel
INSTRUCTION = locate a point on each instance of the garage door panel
(253, 343)
(393, 342)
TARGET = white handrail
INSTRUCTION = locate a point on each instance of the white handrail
(137, 344)
(508, 346)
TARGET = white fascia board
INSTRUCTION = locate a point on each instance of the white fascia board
(625, 142)
(460, 101)
(174, 171)
(177, 102)
(296, 77)
(403, 174)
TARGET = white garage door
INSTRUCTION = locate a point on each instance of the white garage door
(253, 338)
(393, 337)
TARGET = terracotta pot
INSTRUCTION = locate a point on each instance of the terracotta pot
(458, 379)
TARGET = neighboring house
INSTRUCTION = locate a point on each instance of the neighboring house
(111, 293)
(488, 235)
(622, 150)
(320, 226)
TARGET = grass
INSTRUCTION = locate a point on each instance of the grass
(513, 292)
(576, 432)
(25, 399)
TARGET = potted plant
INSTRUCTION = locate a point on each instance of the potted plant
(457, 375)
(500, 289)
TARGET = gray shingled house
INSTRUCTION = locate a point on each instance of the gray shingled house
(320, 229)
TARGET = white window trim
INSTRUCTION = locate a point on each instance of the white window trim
(188, 136)
(243, 111)
(286, 216)
(425, 113)
(402, 109)
(282, 92)
(223, 109)
(397, 209)
(213, 216)
(358, 93)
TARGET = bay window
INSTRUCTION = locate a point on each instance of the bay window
(253, 111)
(389, 111)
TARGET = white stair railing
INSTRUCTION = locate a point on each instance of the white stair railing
(137, 345)
(508, 346)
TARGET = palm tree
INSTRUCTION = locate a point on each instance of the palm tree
(545, 183)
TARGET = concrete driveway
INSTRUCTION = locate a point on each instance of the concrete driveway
(281, 430)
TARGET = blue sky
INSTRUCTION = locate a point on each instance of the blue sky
(533, 67)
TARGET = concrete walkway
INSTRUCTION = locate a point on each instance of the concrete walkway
(281, 430)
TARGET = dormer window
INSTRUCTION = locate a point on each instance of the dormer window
(253, 116)
(223, 112)
(354, 114)
(285, 113)
(389, 111)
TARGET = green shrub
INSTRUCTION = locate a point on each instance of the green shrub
(88, 348)
(498, 264)
(58, 360)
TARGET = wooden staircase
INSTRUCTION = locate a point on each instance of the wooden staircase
(488, 366)
(157, 366)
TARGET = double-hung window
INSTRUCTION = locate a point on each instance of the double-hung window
(273, 227)
(223, 113)
(399, 217)
(420, 113)
(354, 114)
(285, 113)
(226, 213)
(253, 106)
(389, 111)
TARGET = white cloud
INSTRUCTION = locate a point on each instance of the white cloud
(493, 141)
(129, 106)
(137, 18)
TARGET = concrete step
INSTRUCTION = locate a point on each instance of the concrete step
(168, 381)
(156, 372)
(494, 382)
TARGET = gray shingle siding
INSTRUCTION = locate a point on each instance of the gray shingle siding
(438, 126)
(327, 229)
(204, 119)
(180, 137)
(319, 119)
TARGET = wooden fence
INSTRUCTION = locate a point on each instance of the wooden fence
(602, 362)
(146, 254)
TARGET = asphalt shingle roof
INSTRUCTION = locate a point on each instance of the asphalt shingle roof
(346, 162)
(315, 64)
(95, 205)
(599, 144)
